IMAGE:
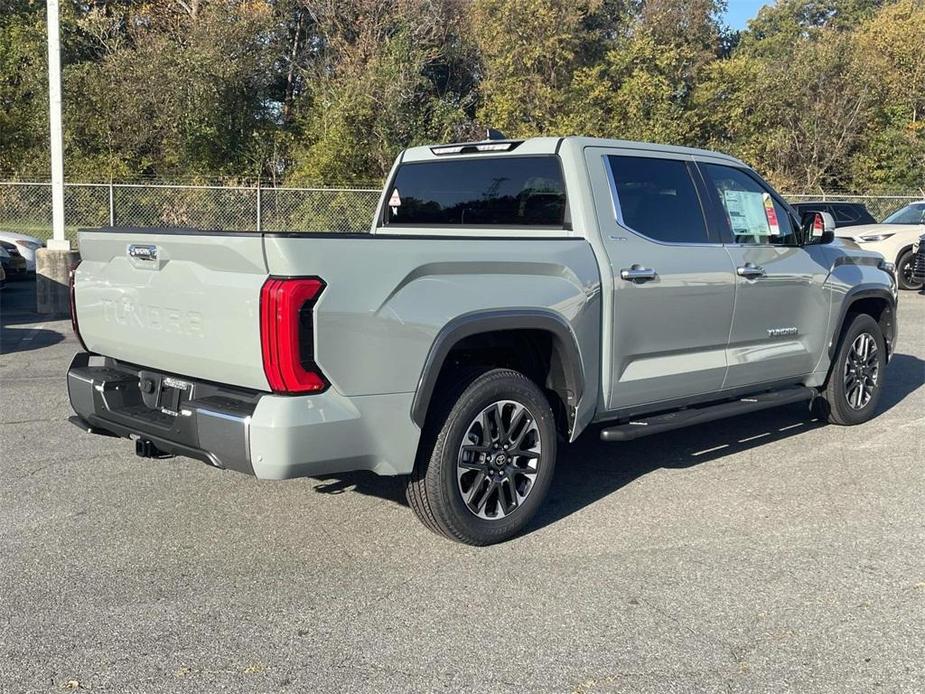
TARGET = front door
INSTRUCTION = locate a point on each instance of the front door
(673, 285)
(779, 329)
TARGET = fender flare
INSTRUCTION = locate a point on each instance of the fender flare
(862, 291)
(500, 320)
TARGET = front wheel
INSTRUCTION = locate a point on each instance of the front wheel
(856, 377)
(487, 459)
(904, 271)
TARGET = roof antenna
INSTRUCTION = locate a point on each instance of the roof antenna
(492, 134)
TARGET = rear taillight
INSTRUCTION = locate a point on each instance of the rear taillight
(287, 325)
(72, 302)
(818, 224)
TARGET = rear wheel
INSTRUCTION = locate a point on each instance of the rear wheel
(487, 459)
(855, 380)
(904, 271)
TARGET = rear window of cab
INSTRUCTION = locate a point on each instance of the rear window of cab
(525, 191)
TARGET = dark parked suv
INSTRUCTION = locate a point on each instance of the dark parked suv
(845, 214)
(918, 266)
(14, 265)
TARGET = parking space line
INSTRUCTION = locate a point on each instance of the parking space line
(756, 436)
(32, 333)
(711, 450)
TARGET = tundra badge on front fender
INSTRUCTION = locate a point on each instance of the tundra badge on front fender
(142, 251)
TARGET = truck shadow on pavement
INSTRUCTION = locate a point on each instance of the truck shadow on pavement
(17, 308)
(25, 339)
(589, 469)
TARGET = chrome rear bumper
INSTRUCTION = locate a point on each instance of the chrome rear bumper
(163, 413)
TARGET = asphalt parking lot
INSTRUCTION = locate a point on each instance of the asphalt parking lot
(767, 553)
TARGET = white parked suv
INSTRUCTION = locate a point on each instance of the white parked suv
(896, 239)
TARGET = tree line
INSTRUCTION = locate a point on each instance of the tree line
(816, 94)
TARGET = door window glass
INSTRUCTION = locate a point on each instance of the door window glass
(845, 214)
(657, 198)
(753, 214)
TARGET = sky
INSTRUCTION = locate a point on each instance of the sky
(738, 12)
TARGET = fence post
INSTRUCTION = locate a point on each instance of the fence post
(112, 206)
(259, 206)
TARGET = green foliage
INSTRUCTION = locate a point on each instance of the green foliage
(815, 93)
(811, 92)
(644, 88)
(387, 82)
(779, 27)
(797, 121)
(530, 51)
(23, 89)
(892, 65)
(185, 99)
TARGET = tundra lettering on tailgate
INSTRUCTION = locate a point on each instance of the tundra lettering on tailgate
(126, 311)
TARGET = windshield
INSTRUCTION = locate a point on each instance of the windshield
(910, 214)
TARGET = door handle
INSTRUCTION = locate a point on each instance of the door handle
(750, 271)
(638, 273)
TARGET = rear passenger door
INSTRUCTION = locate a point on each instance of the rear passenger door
(673, 284)
(781, 313)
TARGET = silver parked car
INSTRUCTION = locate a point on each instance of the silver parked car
(25, 245)
(509, 293)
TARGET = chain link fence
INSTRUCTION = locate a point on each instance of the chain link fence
(26, 207)
(878, 205)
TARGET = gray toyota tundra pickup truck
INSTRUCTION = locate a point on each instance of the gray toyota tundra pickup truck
(508, 295)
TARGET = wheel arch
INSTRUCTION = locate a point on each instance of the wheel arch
(905, 247)
(502, 329)
(907, 251)
(875, 301)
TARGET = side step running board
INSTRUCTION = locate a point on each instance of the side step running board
(646, 426)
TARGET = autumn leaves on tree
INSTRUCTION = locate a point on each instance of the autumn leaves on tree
(816, 93)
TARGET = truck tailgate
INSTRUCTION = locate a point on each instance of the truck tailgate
(185, 303)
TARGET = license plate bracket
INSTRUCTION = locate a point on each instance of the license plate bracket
(173, 393)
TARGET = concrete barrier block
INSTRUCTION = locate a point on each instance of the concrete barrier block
(52, 272)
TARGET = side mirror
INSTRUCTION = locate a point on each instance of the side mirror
(818, 228)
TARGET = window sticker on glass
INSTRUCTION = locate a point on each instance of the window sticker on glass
(771, 215)
(747, 212)
(395, 202)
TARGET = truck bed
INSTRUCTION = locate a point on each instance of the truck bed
(188, 302)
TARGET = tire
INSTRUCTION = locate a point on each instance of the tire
(855, 381)
(469, 495)
(904, 266)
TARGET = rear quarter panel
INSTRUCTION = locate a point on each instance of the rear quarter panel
(388, 297)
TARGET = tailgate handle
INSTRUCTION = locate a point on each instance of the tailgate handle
(142, 251)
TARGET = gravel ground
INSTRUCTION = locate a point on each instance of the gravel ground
(765, 553)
